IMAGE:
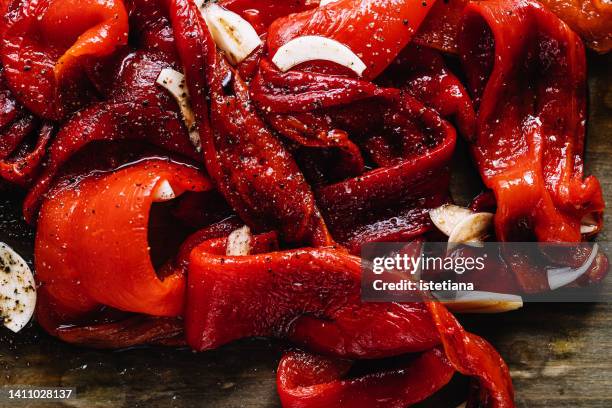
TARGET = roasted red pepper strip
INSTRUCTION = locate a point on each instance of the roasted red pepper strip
(122, 333)
(316, 131)
(150, 26)
(261, 13)
(250, 167)
(306, 380)
(270, 291)
(375, 30)
(530, 91)
(128, 332)
(309, 91)
(92, 246)
(441, 26)
(44, 39)
(422, 72)
(312, 296)
(473, 356)
(391, 203)
(589, 18)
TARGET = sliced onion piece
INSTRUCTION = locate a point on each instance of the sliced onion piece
(483, 302)
(174, 82)
(17, 290)
(316, 48)
(239, 242)
(559, 277)
(474, 228)
(589, 225)
(232, 34)
(163, 192)
(326, 2)
(447, 216)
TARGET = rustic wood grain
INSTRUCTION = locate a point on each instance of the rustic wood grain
(559, 354)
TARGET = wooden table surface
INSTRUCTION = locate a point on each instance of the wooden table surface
(559, 354)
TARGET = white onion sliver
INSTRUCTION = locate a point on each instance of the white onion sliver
(559, 277)
(239, 242)
(232, 34)
(326, 2)
(472, 229)
(174, 82)
(316, 48)
(447, 216)
(483, 302)
(588, 224)
(163, 192)
(588, 229)
(17, 290)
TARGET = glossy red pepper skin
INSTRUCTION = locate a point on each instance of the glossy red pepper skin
(270, 291)
(92, 246)
(44, 39)
(249, 165)
(310, 91)
(312, 296)
(421, 72)
(391, 203)
(313, 381)
(474, 356)
(20, 151)
(375, 30)
(261, 13)
(442, 25)
(588, 18)
(531, 119)
(136, 109)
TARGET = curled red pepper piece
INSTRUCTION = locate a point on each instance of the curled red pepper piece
(531, 115)
(261, 13)
(150, 26)
(422, 72)
(317, 132)
(128, 332)
(42, 42)
(473, 356)
(306, 380)
(376, 31)
(92, 245)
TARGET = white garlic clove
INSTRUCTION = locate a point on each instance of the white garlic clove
(17, 289)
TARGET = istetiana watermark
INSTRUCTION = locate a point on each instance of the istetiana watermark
(486, 271)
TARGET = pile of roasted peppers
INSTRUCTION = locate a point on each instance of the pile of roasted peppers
(135, 196)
